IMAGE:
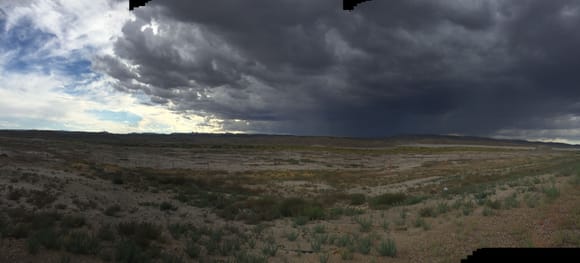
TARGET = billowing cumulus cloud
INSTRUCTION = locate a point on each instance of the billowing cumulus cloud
(47, 81)
(492, 68)
(307, 67)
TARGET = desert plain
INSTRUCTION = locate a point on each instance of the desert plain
(99, 197)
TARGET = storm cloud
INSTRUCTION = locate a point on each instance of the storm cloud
(489, 68)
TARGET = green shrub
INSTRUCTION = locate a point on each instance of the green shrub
(575, 180)
(487, 211)
(403, 213)
(551, 192)
(244, 257)
(511, 201)
(364, 223)
(73, 221)
(531, 200)
(4, 224)
(177, 230)
(127, 251)
(41, 220)
(270, 249)
(427, 212)
(344, 241)
(117, 179)
(300, 220)
(336, 212)
(32, 245)
(387, 200)
(357, 199)
(182, 197)
(64, 259)
(323, 238)
(255, 210)
(141, 232)
(20, 230)
(268, 208)
(346, 254)
(385, 224)
(387, 248)
(567, 238)
(259, 229)
(481, 201)
(400, 222)
(192, 249)
(364, 245)
(48, 238)
(106, 233)
(213, 244)
(294, 207)
(482, 197)
(316, 244)
(319, 229)
(196, 233)
(81, 243)
(251, 241)
(15, 194)
(170, 258)
(292, 236)
(420, 222)
(40, 198)
(229, 246)
(442, 208)
(166, 206)
(457, 204)
(323, 258)
(331, 239)
(493, 204)
(112, 210)
(350, 211)
(468, 208)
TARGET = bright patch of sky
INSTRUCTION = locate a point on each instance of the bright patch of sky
(117, 116)
(46, 78)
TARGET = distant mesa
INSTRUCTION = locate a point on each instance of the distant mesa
(350, 4)
(137, 3)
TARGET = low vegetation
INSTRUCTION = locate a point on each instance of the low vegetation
(387, 248)
(287, 209)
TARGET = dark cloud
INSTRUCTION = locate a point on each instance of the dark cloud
(308, 67)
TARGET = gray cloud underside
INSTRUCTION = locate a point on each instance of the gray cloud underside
(307, 67)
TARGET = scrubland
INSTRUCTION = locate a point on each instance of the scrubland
(70, 199)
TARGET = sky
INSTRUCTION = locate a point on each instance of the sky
(494, 68)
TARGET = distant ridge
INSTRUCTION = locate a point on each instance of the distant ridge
(152, 139)
(447, 139)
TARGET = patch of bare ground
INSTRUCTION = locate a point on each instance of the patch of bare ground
(541, 226)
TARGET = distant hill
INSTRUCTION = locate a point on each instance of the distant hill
(183, 139)
(472, 140)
